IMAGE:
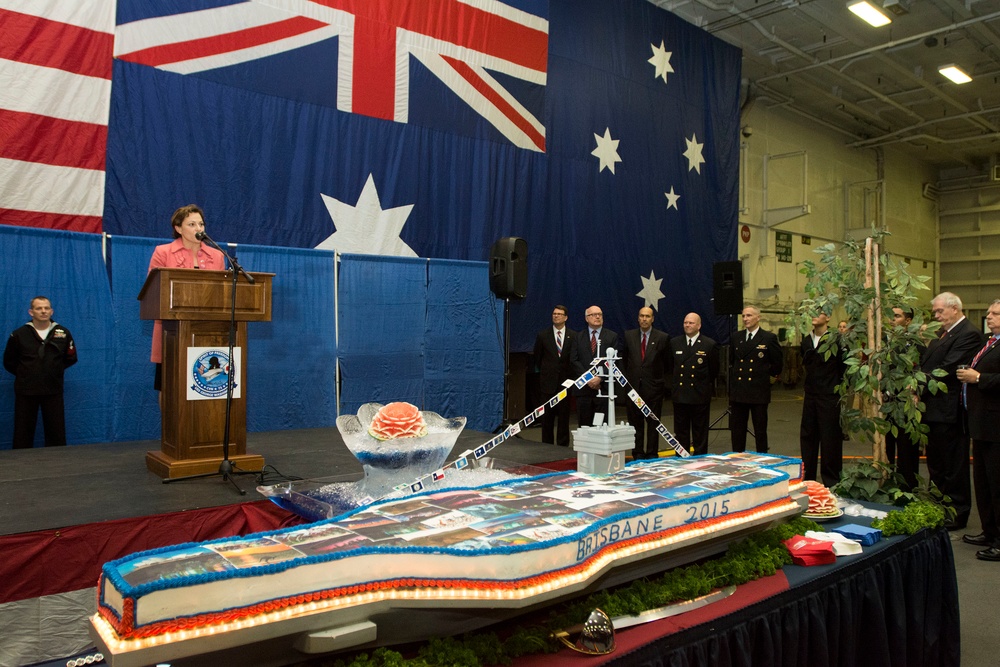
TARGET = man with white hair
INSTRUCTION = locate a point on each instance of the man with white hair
(947, 445)
(757, 362)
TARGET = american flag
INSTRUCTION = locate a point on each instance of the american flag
(55, 92)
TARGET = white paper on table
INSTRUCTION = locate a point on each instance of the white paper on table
(842, 545)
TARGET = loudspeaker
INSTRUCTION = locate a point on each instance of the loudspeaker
(509, 268)
(728, 284)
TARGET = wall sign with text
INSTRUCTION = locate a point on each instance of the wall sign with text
(783, 246)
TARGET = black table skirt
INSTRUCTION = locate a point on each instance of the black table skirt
(897, 607)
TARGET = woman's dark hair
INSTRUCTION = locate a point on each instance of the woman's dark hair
(184, 211)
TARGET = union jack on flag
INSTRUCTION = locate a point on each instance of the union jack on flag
(462, 42)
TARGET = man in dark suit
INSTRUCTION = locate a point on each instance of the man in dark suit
(947, 445)
(819, 430)
(643, 362)
(693, 364)
(900, 449)
(592, 341)
(757, 362)
(981, 398)
(553, 354)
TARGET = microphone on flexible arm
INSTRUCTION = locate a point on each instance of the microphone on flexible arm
(202, 236)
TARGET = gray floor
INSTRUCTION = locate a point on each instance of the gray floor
(51, 488)
(45, 488)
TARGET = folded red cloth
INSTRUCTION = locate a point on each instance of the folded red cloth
(808, 551)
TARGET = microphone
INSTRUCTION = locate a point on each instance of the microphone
(202, 236)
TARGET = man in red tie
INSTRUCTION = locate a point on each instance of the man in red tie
(981, 389)
(644, 359)
(553, 351)
(594, 341)
(947, 444)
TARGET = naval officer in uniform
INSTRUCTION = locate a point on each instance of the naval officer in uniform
(693, 364)
(757, 361)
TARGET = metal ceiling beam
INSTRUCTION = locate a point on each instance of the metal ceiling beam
(882, 47)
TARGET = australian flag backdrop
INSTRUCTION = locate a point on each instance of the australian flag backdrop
(603, 132)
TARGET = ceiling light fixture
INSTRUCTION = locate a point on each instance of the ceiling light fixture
(869, 13)
(955, 73)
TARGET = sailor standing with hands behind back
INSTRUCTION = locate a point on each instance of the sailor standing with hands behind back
(37, 354)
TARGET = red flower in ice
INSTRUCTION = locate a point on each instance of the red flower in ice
(398, 420)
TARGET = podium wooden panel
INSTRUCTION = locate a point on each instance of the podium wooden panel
(194, 306)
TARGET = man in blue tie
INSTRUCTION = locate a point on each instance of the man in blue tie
(947, 445)
(594, 341)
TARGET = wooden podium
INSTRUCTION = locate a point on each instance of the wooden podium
(194, 306)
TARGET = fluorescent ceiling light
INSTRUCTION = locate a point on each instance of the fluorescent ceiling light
(869, 13)
(955, 73)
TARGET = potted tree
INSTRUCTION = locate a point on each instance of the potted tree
(882, 360)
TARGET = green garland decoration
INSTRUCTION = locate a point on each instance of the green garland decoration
(913, 518)
(759, 555)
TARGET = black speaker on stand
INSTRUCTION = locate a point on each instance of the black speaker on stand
(508, 280)
(727, 287)
(727, 293)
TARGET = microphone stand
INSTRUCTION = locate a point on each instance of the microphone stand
(728, 414)
(506, 365)
(226, 467)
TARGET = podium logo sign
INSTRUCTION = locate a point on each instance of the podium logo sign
(208, 371)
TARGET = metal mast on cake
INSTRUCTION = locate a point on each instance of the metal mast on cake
(600, 450)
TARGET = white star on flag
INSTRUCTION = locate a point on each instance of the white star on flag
(661, 61)
(693, 153)
(650, 291)
(606, 151)
(672, 198)
(366, 228)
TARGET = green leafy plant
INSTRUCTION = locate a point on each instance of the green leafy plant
(879, 482)
(882, 360)
(913, 518)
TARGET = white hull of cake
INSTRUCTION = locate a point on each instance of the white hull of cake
(394, 621)
(401, 591)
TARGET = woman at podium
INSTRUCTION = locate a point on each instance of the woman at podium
(184, 252)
